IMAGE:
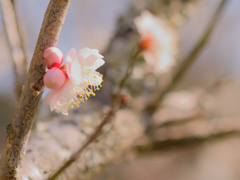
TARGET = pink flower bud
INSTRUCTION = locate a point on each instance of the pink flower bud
(54, 78)
(53, 57)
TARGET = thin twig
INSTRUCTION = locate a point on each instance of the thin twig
(19, 129)
(99, 130)
(153, 105)
(15, 44)
(25, 63)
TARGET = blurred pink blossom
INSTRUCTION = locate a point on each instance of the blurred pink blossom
(158, 42)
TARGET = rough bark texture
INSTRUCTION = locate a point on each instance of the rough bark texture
(19, 129)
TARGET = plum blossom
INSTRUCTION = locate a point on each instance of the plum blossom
(82, 80)
(158, 42)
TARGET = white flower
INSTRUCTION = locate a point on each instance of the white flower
(82, 79)
(158, 42)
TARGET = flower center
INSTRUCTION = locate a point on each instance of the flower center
(145, 44)
(63, 68)
(91, 81)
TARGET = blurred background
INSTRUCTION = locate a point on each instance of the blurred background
(194, 133)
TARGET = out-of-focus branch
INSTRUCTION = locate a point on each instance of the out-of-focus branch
(19, 129)
(152, 106)
(108, 118)
(15, 44)
(58, 138)
(191, 132)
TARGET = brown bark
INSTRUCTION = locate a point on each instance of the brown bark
(19, 129)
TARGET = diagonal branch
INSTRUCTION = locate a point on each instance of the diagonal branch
(19, 129)
(189, 133)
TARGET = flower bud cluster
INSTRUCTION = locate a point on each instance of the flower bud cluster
(74, 82)
(54, 78)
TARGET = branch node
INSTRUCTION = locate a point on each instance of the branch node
(37, 87)
(36, 93)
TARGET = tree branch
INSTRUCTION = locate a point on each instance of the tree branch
(189, 133)
(19, 129)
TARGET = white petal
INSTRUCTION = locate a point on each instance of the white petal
(85, 52)
(75, 74)
(61, 98)
(89, 58)
(69, 58)
(64, 109)
(96, 53)
(70, 55)
(98, 63)
(86, 60)
(96, 81)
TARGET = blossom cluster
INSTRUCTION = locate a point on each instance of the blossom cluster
(73, 82)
